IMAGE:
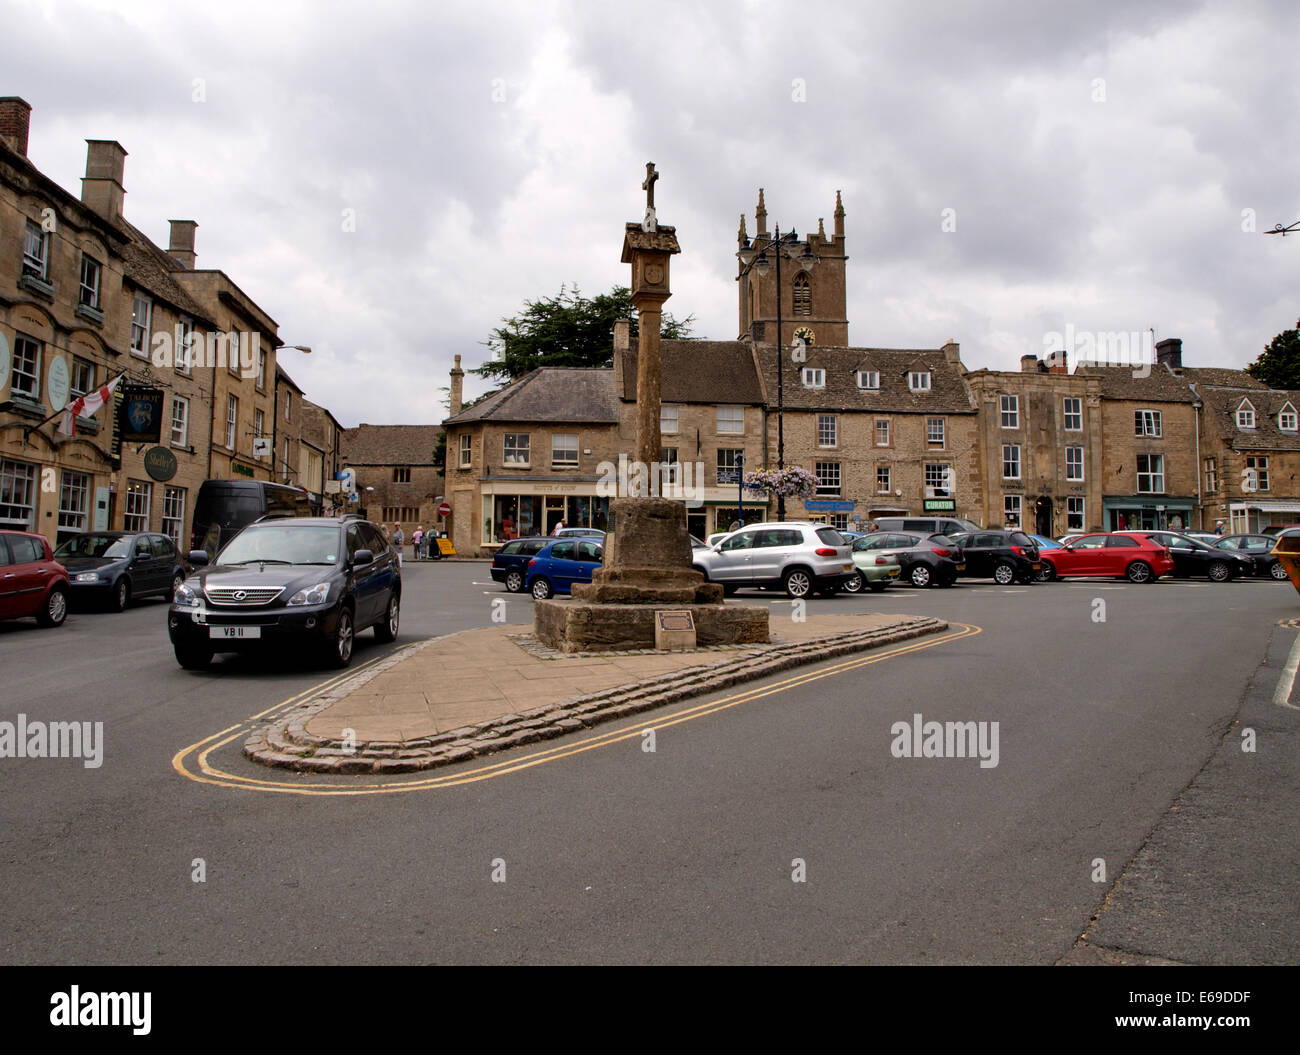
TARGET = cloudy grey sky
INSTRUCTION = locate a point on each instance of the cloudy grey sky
(1099, 160)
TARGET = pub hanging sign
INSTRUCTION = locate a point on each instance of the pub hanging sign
(139, 416)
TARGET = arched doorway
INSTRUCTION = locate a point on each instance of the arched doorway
(1043, 516)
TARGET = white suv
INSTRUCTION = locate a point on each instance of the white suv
(796, 556)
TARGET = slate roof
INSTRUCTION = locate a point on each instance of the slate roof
(150, 268)
(550, 393)
(948, 392)
(1212, 375)
(389, 444)
(1161, 385)
(700, 372)
(1221, 407)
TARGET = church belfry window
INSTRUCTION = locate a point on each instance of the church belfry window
(802, 294)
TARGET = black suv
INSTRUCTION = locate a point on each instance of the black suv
(1003, 556)
(311, 581)
(510, 564)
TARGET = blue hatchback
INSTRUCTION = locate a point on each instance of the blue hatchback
(562, 563)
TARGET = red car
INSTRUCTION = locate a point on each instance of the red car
(1107, 556)
(31, 582)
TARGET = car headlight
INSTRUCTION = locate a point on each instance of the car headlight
(86, 576)
(312, 595)
(186, 597)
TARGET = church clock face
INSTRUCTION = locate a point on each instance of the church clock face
(805, 334)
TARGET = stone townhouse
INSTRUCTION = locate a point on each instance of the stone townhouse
(396, 478)
(1041, 447)
(286, 432)
(320, 457)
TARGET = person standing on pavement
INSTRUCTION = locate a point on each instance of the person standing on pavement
(417, 536)
(398, 540)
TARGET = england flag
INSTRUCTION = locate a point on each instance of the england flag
(85, 406)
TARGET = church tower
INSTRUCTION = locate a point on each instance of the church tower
(812, 291)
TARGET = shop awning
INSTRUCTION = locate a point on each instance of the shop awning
(1268, 507)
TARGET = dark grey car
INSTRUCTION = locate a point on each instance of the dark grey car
(116, 566)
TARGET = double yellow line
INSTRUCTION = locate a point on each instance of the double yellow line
(204, 772)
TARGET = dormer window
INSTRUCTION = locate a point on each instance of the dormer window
(919, 380)
(1245, 415)
(814, 377)
(1286, 419)
(869, 380)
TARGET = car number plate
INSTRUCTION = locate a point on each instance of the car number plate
(226, 632)
(848, 567)
(961, 567)
(1038, 565)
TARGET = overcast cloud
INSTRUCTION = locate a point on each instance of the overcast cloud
(1098, 160)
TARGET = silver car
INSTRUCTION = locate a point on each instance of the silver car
(796, 556)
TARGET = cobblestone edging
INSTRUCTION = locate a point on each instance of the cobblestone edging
(286, 743)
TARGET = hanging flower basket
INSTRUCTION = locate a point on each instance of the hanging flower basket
(790, 482)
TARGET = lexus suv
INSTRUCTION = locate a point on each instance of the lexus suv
(311, 582)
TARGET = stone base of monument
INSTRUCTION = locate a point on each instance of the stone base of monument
(576, 626)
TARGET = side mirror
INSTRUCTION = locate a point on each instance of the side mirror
(199, 558)
(362, 557)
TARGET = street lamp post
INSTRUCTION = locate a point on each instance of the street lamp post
(755, 260)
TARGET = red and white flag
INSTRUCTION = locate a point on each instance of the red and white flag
(85, 406)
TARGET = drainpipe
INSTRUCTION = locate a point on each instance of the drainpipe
(1200, 504)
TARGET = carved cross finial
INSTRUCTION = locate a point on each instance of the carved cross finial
(649, 185)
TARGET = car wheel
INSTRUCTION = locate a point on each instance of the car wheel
(1004, 575)
(386, 630)
(340, 642)
(514, 580)
(1139, 571)
(541, 589)
(55, 610)
(920, 575)
(877, 587)
(193, 657)
(121, 595)
(178, 580)
(797, 583)
(1278, 572)
(1219, 571)
(1047, 573)
(855, 584)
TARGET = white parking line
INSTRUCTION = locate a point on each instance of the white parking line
(1282, 694)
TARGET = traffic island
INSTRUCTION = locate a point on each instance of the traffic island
(470, 694)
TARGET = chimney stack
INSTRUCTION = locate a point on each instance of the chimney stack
(1029, 364)
(101, 187)
(1058, 363)
(15, 120)
(952, 352)
(180, 247)
(457, 389)
(1170, 352)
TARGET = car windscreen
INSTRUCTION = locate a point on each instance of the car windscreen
(107, 546)
(283, 544)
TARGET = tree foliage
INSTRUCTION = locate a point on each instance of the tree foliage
(1278, 365)
(565, 330)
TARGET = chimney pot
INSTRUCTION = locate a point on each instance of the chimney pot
(180, 247)
(1170, 352)
(1029, 364)
(1058, 363)
(101, 187)
(457, 388)
(15, 122)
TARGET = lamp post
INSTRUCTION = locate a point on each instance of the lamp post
(755, 259)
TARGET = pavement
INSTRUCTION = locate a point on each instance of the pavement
(471, 693)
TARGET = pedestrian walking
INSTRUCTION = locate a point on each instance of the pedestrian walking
(398, 540)
(417, 536)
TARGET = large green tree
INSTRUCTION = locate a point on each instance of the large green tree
(1278, 366)
(565, 330)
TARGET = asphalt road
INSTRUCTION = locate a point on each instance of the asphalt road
(1119, 748)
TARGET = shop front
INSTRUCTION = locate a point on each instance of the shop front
(1252, 517)
(515, 509)
(1146, 513)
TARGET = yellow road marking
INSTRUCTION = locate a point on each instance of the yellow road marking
(209, 774)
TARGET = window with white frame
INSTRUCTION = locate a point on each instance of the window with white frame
(670, 467)
(814, 377)
(839, 521)
(25, 378)
(1211, 475)
(466, 450)
(1246, 415)
(1147, 423)
(1286, 418)
(173, 517)
(731, 419)
(827, 430)
(668, 416)
(918, 380)
(828, 478)
(17, 495)
(564, 450)
(1151, 474)
(1074, 513)
(138, 495)
(187, 351)
(261, 369)
(1255, 478)
(1073, 414)
(934, 432)
(1074, 463)
(36, 251)
(884, 481)
(882, 432)
(1011, 508)
(516, 448)
(729, 461)
(938, 480)
(259, 424)
(869, 380)
(1011, 461)
(288, 405)
(74, 501)
(88, 295)
(180, 421)
(232, 416)
(83, 377)
(1009, 411)
(141, 319)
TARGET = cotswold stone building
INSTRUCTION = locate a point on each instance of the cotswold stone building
(398, 483)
